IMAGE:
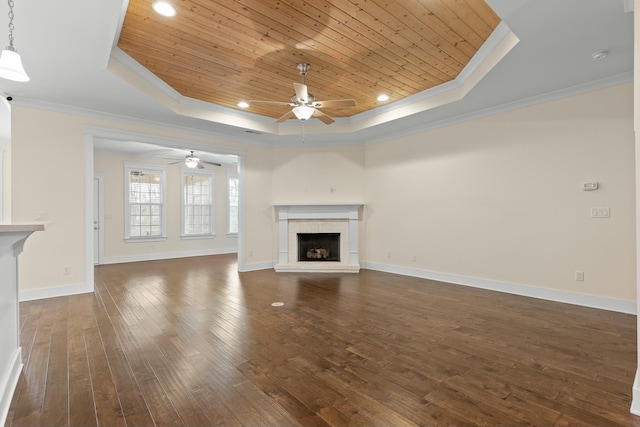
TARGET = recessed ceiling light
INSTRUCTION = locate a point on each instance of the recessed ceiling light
(383, 97)
(164, 8)
(243, 104)
(600, 55)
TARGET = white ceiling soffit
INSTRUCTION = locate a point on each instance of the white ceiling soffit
(497, 46)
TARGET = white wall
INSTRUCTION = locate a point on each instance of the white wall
(117, 250)
(319, 175)
(315, 174)
(48, 177)
(496, 199)
(5, 148)
(499, 198)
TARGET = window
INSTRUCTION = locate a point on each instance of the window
(197, 203)
(145, 211)
(232, 204)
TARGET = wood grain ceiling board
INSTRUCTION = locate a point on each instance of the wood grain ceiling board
(225, 51)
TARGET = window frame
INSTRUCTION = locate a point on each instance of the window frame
(162, 171)
(184, 172)
(230, 176)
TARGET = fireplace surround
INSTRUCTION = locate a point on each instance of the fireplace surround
(335, 219)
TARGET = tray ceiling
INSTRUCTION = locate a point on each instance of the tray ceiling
(224, 52)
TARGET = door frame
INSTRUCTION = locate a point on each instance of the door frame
(94, 132)
(100, 177)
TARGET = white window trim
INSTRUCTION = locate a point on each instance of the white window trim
(183, 173)
(128, 167)
(229, 176)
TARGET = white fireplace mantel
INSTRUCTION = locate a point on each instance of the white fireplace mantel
(341, 218)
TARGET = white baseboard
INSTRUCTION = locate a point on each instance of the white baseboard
(8, 384)
(635, 396)
(167, 255)
(256, 266)
(603, 303)
(54, 291)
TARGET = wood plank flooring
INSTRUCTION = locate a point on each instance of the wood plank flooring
(190, 342)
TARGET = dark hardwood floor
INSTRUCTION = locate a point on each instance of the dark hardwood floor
(190, 342)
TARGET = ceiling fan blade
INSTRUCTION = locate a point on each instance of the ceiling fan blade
(322, 116)
(301, 92)
(335, 103)
(286, 116)
(200, 165)
(269, 102)
(175, 163)
(211, 163)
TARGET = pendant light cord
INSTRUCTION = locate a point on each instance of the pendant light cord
(10, 47)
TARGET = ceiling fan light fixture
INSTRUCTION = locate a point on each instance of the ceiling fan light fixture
(303, 112)
(164, 8)
(191, 162)
(10, 63)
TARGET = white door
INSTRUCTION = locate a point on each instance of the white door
(97, 197)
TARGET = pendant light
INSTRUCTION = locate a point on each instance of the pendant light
(10, 62)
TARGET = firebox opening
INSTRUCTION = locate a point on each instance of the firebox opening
(319, 247)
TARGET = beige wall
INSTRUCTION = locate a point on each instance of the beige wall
(6, 181)
(319, 175)
(115, 248)
(496, 198)
(48, 177)
(499, 198)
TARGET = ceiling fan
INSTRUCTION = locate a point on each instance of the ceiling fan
(192, 161)
(305, 105)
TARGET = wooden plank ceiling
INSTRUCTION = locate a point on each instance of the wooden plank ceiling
(225, 51)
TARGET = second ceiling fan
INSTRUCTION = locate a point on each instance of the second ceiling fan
(305, 105)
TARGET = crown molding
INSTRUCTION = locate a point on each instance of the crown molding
(511, 106)
(340, 140)
(496, 47)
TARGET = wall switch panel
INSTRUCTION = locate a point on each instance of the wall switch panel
(589, 186)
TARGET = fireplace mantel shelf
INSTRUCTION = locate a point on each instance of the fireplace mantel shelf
(335, 218)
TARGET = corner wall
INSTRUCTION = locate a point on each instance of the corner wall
(497, 202)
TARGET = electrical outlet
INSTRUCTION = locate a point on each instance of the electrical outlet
(388, 254)
(600, 212)
(579, 276)
(413, 257)
(66, 270)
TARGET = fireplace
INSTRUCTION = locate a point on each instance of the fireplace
(319, 247)
(318, 238)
